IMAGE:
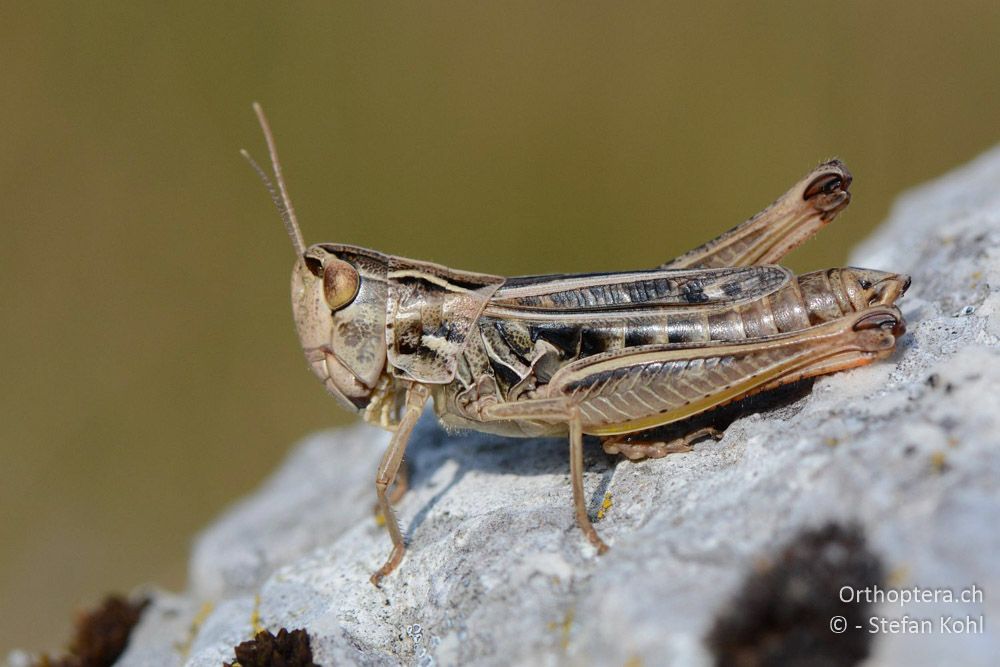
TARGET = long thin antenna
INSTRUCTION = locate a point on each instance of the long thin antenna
(280, 195)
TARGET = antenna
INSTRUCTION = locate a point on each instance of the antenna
(279, 195)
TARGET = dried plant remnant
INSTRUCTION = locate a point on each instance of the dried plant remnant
(101, 634)
(286, 649)
(783, 613)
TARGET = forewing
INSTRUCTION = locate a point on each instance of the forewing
(599, 292)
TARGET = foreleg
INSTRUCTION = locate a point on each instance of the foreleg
(416, 397)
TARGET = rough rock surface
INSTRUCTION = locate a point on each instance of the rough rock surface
(906, 451)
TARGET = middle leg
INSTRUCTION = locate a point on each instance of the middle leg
(576, 475)
(558, 410)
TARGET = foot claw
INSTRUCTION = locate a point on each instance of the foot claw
(390, 564)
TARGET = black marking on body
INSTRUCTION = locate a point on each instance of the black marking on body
(638, 335)
(504, 374)
(595, 341)
(694, 292)
(524, 354)
(408, 338)
(685, 330)
(448, 331)
(566, 337)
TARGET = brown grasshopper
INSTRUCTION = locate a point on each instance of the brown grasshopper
(608, 354)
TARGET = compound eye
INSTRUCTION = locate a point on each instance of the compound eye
(340, 283)
(865, 284)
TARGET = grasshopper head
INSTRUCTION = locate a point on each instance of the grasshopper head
(338, 301)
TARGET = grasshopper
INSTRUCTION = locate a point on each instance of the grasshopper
(613, 355)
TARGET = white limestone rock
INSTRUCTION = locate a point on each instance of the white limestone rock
(498, 573)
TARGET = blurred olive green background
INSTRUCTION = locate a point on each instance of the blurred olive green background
(151, 374)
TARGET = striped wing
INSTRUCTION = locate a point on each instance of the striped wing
(598, 292)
